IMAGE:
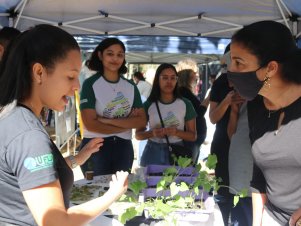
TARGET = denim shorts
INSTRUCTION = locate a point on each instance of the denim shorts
(155, 153)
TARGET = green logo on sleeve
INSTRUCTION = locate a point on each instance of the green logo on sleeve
(37, 163)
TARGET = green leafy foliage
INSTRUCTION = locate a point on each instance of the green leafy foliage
(184, 162)
(211, 161)
(241, 194)
(137, 186)
(128, 214)
(162, 205)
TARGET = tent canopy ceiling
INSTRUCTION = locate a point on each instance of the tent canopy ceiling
(190, 18)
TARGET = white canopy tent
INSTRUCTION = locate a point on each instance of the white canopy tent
(153, 31)
(176, 18)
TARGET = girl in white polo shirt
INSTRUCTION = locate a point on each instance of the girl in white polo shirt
(177, 113)
(110, 107)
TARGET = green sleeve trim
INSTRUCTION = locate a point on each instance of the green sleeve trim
(146, 106)
(137, 97)
(87, 95)
(190, 112)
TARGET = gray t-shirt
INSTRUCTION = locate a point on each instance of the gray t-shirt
(28, 159)
(240, 154)
(277, 155)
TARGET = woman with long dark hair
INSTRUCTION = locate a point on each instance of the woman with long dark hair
(177, 113)
(41, 69)
(110, 107)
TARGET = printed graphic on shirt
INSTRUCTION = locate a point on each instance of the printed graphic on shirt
(171, 120)
(39, 162)
(118, 108)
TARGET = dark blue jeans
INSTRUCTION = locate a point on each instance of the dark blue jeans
(225, 204)
(116, 154)
(241, 214)
(155, 153)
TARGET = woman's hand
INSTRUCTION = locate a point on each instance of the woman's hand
(91, 147)
(171, 131)
(295, 219)
(158, 132)
(118, 185)
(237, 101)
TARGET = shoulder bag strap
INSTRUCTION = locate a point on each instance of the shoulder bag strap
(162, 123)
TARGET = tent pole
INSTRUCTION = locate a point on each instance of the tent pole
(20, 13)
(128, 20)
(282, 14)
(221, 21)
(39, 20)
(285, 7)
(84, 29)
(221, 31)
(129, 29)
(18, 6)
(84, 19)
(4, 14)
(179, 20)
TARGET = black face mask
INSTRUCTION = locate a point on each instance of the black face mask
(246, 83)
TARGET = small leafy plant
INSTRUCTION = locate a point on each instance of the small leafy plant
(175, 190)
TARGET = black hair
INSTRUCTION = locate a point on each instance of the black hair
(227, 49)
(272, 41)
(139, 75)
(95, 64)
(44, 44)
(156, 92)
(7, 34)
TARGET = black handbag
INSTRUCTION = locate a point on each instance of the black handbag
(175, 150)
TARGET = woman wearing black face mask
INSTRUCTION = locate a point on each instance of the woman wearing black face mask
(266, 61)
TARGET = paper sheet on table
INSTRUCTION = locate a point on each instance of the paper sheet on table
(104, 221)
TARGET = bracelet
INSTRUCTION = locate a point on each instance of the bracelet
(73, 161)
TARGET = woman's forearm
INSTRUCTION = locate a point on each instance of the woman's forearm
(100, 127)
(186, 135)
(127, 123)
(143, 135)
(217, 110)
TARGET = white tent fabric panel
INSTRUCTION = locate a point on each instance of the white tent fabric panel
(190, 18)
(215, 18)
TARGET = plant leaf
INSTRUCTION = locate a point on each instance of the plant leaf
(183, 162)
(137, 186)
(243, 193)
(127, 215)
(170, 171)
(211, 161)
(184, 187)
(235, 200)
(174, 189)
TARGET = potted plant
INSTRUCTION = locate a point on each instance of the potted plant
(171, 192)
